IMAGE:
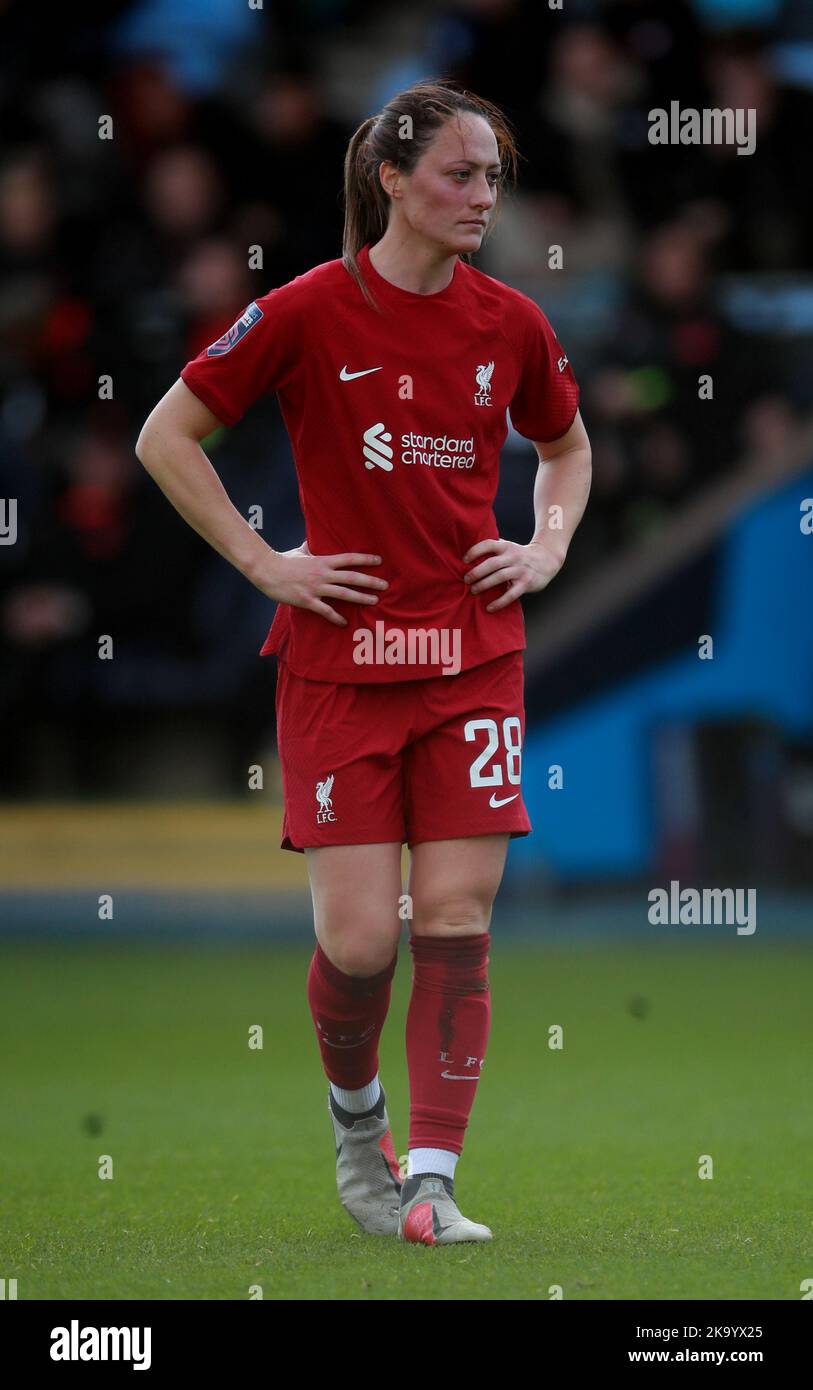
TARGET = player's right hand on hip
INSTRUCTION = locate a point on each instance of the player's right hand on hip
(306, 581)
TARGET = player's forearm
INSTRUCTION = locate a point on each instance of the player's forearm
(561, 490)
(186, 477)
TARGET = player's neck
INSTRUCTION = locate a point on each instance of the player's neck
(419, 267)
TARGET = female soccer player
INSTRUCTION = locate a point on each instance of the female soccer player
(394, 367)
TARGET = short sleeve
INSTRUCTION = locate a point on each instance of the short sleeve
(258, 354)
(546, 400)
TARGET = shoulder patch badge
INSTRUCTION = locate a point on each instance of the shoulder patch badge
(238, 330)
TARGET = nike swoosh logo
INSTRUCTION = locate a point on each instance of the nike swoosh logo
(437, 1229)
(450, 1077)
(503, 800)
(344, 375)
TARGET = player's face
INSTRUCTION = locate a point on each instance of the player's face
(451, 193)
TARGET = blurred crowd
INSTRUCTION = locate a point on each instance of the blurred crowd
(120, 258)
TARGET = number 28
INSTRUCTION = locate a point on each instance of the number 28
(512, 738)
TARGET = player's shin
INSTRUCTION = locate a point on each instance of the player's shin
(349, 1013)
(446, 1035)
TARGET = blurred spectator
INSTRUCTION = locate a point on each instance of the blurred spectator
(765, 198)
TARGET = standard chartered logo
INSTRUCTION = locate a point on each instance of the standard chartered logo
(377, 451)
(432, 451)
(437, 450)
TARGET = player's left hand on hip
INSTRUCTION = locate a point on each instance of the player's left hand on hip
(524, 568)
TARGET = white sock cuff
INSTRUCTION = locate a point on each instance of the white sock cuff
(431, 1161)
(358, 1101)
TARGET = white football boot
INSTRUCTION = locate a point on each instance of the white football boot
(429, 1214)
(367, 1173)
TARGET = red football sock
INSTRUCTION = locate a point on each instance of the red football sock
(446, 1034)
(349, 1013)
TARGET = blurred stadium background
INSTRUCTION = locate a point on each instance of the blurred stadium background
(122, 258)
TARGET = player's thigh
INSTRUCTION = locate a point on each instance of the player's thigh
(453, 884)
(356, 892)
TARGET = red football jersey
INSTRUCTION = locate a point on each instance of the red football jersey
(396, 422)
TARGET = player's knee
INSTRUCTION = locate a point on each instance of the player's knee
(356, 952)
(464, 916)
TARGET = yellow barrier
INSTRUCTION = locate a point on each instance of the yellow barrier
(171, 845)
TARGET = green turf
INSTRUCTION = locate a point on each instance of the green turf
(583, 1161)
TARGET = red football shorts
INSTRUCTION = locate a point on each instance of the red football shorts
(433, 759)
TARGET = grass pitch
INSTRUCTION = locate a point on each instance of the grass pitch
(584, 1161)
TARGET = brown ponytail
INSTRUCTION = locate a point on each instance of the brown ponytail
(427, 105)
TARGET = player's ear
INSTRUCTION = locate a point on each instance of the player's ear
(389, 176)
